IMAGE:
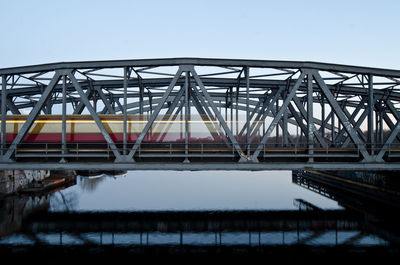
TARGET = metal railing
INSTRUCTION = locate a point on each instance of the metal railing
(181, 149)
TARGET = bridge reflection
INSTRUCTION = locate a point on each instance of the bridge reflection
(364, 225)
(198, 228)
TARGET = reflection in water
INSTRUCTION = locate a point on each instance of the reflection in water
(150, 213)
(13, 210)
(64, 201)
(90, 184)
(209, 190)
(286, 227)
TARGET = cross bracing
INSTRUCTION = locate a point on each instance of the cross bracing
(194, 110)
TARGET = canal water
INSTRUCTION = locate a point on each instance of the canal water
(177, 190)
(204, 210)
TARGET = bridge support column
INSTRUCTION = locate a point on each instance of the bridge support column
(125, 112)
(3, 113)
(285, 125)
(246, 74)
(187, 106)
(371, 114)
(310, 118)
(64, 120)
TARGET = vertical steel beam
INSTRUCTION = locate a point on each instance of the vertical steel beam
(125, 112)
(3, 112)
(237, 110)
(285, 125)
(304, 114)
(371, 114)
(140, 96)
(247, 77)
(277, 127)
(231, 105)
(226, 106)
(380, 122)
(333, 128)
(48, 106)
(64, 119)
(187, 75)
(310, 118)
(322, 128)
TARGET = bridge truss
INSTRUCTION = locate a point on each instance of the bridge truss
(260, 114)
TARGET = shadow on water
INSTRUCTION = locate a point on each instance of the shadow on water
(363, 228)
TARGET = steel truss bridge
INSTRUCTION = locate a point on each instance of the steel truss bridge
(260, 115)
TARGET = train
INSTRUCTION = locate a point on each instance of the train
(83, 129)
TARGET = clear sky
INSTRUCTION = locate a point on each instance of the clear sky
(349, 32)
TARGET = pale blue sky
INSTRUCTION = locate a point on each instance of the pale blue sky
(348, 32)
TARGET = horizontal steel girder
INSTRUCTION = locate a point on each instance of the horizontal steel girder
(200, 62)
(202, 166)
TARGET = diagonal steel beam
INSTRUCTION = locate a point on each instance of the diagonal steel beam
(32, 116)
(218, 115)
(390, 123)
(281, 124)
(269, 103)
(202, 102)
(278, 116)
(84, 99)
(207, 121)
(357, 127)
(342, 117)
(304, 113)
(12, 107)
(255, 110)
(171, 120)
(200, 97)
(155, 113)
(297, 118)
(80, 107)
(104, 99)
(392, 109)
(389, 140)
(168, 115)
(353, 116)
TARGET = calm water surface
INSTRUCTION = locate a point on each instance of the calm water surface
(175, 190)
(143, 208)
